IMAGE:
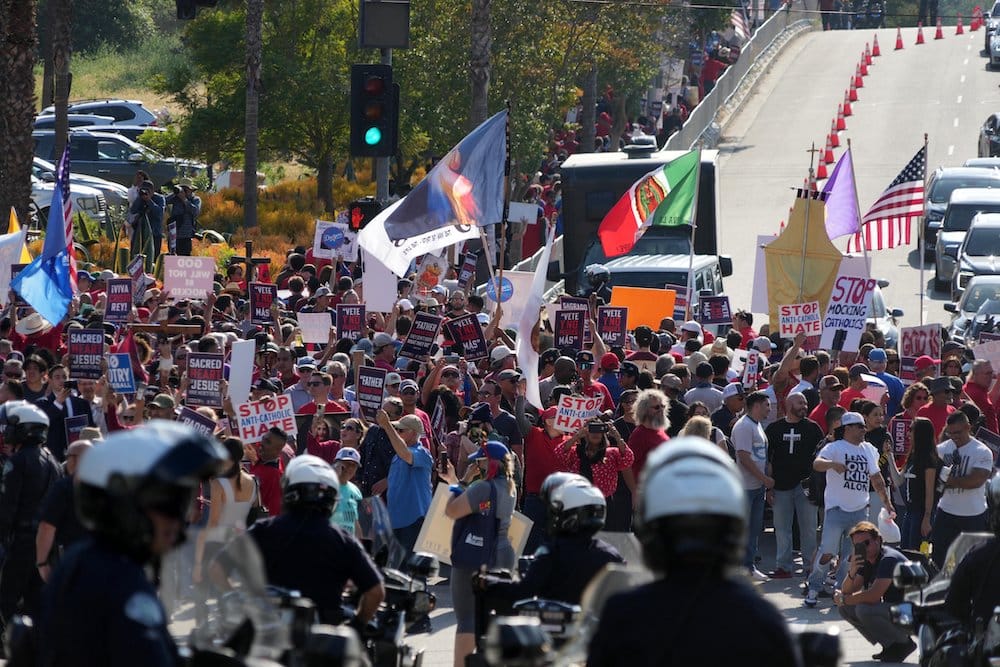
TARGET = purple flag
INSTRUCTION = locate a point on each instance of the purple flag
(842, 214)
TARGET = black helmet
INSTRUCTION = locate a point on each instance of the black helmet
(310, 483)
(597, 276)
(158, 467)
(575, 506)
(993, 503)
(26, 424)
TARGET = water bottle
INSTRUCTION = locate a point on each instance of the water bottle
(943, 478)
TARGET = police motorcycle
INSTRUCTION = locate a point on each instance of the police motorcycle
(867, 14)
(941, 639)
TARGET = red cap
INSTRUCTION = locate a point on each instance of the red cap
(548, 413)
(609, 361)
(925, 361)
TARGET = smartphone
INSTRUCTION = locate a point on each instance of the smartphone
(72, 384)
(443, 461)
(451, 358)
(860, 549)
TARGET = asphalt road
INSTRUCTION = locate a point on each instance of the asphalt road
(941, 88)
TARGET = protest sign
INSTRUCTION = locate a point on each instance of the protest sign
(86, 353)
(466, 331)
(899, 432)
(714, 310)
(430, 273)
(438, 429)
(204, 376)
(573, 411)
(262, 295)
(370, 390)
(986, 335)
(135, 272)
(846, 313)
(241, 370)
(379, 284)
(10, 252)
(350, 321)
(680, 301)
(422, 336)
(751, 369)
(120, 375)
(315, 327)
(14, 270)
(525, 213)
(568, 329)
(118, 302)
(467, 272)
(257, 417)
(799, 318)
(335, 239)
(579, 303)
(612, 325)
(645, 305)
(188, 277)
(915, 342)
(514, 295)
(74, 426)
(197, 421)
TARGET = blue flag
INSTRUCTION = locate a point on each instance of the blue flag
(45, 283)
(464, 189)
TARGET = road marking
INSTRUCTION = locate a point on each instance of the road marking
(955, 124)
(962, 80)
(959, 100)
(951, 150)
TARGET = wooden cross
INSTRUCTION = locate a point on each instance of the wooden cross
(248, 260)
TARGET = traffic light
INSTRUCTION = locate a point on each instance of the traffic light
(362, 211)
(374, 111)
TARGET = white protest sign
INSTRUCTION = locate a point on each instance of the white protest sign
(379, 284)
(750, 368)
(989, 350)
(847, 312)
(758, 301)
(799, 318)
(431, 271)
(335, 239)
(188, 277)
(574, 411)
(10, 253)
(520, 290)
(257, 417)
(241, 370)
(315, 327)
(525, 213)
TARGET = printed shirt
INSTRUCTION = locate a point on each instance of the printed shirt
(849, 491)
(604, 473)
(963, 460)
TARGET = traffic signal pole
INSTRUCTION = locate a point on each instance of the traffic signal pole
(382, 163)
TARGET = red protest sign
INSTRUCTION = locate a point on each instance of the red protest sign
(350, 320)
(262, 295)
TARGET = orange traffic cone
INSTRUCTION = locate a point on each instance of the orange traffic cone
(834, 138)
(939, 33)
(863, 66)
(959, 30)
(821, 172)
(976, 19)
(858, 81)
(920, 33)
(828, 152)
(852, 93)
(876, 52)
(899, 39)
(840, 124)
(868, 55)
(847, 105)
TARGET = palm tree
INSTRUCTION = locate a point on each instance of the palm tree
(61, 30)
(254, 25)
(479, 61)
(18, 45)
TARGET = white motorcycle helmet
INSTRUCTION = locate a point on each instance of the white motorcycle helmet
(26, 424)
(310, 483)
(575, 507)
(692, 506)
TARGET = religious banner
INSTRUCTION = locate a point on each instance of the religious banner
(351, 321)
(899, 432)
(257, 417)
(86, 353)
(568, 329)
(847, 312)
(714, 310)
(262, 295)
(612, 325)
(431, 271)
(204, 379)
(120, 375)
(467, 272)
(916, 342)
(579, 303)
(422, 336)
(799, 318)
(572, 412)
(188, 277)
(135, 272)
(370, 390)
(466, 331)
(197, 421)
(118, 303)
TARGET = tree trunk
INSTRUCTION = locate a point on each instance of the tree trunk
(618, 125)
(254, 26)
(62, 49)
(18, 44)
(324, 182)
(48, 67)
(479, 61)
(588, 113)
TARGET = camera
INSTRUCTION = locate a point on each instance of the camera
(72, 384)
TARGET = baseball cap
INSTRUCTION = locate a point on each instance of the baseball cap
(322, 291)
(405, 304)
(732, 389)
(925, 361)
(939, 385)
(483, 318)
(493, 449)
(671, 381)
(393, 378)
(305, 362)
(80, 275)
(877, 355)
(609, 361)
(409, 423)
(548, 413)
(763, 343)
(509, 374)
(164, 401)
(852, 418)
(382, 339)
(629, 368)
(830, 382)
(857, 370)
(585, 358)
(692, 327)
(549, 356)
(350, 454)
(407, 384)
(500, 352)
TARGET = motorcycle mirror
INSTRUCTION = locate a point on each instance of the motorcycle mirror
(909, 575)
(422, 565)
(517, 641)
(819, 648)
(333, 645)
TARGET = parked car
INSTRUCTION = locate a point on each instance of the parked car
(115, 158)
(85, 199)
(964, 205)
(126, 112)
(978, 291)
(131, 131)
(979, 253)
(886, 319)
(75, 120)
(659, 270)
(114, 193)
(992, 21)
(989, 132)
(993, 52)
(983, 162)
(943, 182)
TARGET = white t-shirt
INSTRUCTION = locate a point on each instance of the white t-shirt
(963, 460)
(849, 491)
(748, 436)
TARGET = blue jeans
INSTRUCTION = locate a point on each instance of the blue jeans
(910, 529)
(949, 526)
(789, 505)
(755, 524)
(836, 524)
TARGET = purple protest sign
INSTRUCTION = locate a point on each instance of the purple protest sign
(466, 331)
(422, 336)
(612, 325)
(204, 376)
(86, 353)
(118, 302)
(370, 390)
(350, 320)
(568, 329)
(262, 295)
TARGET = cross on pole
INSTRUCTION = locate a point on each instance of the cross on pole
(249, 261)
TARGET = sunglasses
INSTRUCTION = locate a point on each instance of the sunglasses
(314, 384)
(407, 392)
(348, 427)
(13, 376)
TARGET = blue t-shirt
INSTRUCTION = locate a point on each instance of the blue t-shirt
(410, 488)
(346, 513)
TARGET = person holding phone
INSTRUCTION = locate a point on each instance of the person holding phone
(868, 593)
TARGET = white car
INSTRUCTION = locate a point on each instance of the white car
(86, 199)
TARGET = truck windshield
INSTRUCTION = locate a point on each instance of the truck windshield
(649, 244)
(654, 279)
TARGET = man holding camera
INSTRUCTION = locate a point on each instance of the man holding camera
(146, 216)
(868, 593)
(184, 209)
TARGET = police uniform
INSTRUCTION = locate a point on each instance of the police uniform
(303, 552)
(59, 510)
(27, 477)
(975, 587)
(100, 610)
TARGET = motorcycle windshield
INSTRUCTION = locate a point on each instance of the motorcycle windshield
(938, 587)
(376, 533)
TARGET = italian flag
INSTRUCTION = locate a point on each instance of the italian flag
(665, 196)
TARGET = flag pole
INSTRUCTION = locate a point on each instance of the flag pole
(923, 241)
(506, 200)
(694, 229)
(805, 236)
(857, 212)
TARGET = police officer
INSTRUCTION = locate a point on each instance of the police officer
(27, 477)
(302, 551)
(975, 586)
(133, 492)
(572, 556)
(691, 522)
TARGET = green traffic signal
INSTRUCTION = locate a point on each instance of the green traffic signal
(373, 136)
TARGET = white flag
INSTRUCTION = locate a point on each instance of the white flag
(527, 357)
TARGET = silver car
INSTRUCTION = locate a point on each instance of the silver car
(963, 207)
(978, 291)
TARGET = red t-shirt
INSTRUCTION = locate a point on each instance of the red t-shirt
(269, 477)
(325, 449)
(540, 458)
(982, 400)
(595, 389)
(938, 415)
(642, 442)
(848, 396)
(331, 408)
(818, 415)
(50, 340)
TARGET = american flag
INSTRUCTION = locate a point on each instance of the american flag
(887, 222)
(739, 20)
(62, 182)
